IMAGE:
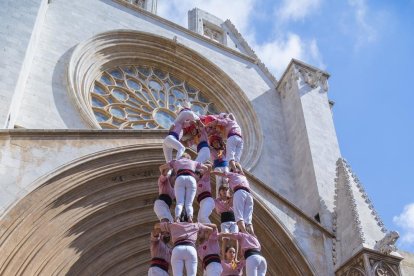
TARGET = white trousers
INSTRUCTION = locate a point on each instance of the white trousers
(185, 190)
(229, 227)
(206, 207)
(162, 210)
(243, 206)
(184, 255)
(170, 143)
(156, 271)
(213, 269)
(256, 265)
(219, 179)
(203, 155)
(234, 148)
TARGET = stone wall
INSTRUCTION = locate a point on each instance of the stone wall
(47, 105)
(19, 30)
(407, 264)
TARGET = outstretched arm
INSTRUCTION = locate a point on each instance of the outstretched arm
(218, 173)
(232, 236)
(208, 229)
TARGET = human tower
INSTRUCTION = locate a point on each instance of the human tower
(179, 241)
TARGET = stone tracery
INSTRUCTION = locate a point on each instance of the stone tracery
(142, 97)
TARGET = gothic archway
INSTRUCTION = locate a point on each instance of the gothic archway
(93, 217)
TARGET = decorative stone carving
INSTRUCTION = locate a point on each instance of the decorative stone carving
(143, 97)
(387, 244)
(370, 263)
(116, 48)
(314, 78)
(212, 33)
(354, 218)
(355, 268)
(139, 3)
(382, 268)
(89, 225)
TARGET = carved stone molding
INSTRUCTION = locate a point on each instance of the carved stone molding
(93, 216)
(365, 196)
(250, 51)
(148, 5)
(120, 47)
(371, 263)
(314, 78)
(297, 70)
(387, 244)
(356, 224)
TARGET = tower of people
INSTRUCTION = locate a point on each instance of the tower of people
(179, 240)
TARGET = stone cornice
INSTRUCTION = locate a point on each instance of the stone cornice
(86, 133)
(310, 75)
(251, 52)
(184, 30)
(369, 254)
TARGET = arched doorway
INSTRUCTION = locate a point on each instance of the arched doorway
(93, 217)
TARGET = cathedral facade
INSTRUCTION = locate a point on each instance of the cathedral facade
(88, 90)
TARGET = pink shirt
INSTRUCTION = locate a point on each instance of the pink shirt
(159, 249)
(203, 185)
(210, 246)
(228, 269)
(182, 231)
(230, 126)
(247, 241)
(184, 164)
(164, 186)
(236, 179)
(223, 206)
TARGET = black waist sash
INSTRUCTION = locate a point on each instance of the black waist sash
(184, 242)
(185, 172)
(166, 198)
(203, 195)
(161, 263)
(175, 134)
(227, 216)
(212, 258)
(234, 134)
(241, 188)
(251, 252)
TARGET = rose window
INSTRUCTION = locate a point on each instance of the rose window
(138, 97)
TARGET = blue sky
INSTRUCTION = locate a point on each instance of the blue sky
(367, 46)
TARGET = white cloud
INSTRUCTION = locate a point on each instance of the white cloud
(365, 32)
(237, 11)
(406, 221)
(278, 53)
(297, 9)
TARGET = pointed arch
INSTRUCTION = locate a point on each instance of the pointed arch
(94, 216)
